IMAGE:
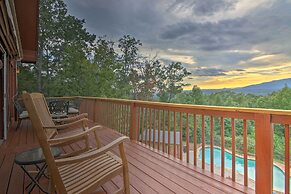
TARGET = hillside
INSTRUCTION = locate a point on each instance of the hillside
(257, 89)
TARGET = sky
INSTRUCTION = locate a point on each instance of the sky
(223, 43)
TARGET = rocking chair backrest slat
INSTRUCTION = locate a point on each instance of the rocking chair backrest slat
(41, 121)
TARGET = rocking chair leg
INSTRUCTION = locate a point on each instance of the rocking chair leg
(126, 181)
(18, 124)
(51, 187)
(125, 169)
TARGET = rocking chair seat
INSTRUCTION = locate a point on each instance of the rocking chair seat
(83, 177)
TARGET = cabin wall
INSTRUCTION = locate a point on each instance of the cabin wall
(11, 92)
(10, 44)
(18, 40)
(1, 98)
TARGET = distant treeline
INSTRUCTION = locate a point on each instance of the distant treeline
(277, 100)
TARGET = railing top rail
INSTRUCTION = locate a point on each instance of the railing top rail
(163, 105)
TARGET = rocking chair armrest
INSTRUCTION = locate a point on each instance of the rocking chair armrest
(93, 153)
(67, 125)
(73, 137)
(70, 119)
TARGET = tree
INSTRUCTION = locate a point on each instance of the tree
(129, 58)
(197, 95)
(107, 65)
(78, 76)
(26, 78)
(58, 32)
(148, 79)
(171, 82)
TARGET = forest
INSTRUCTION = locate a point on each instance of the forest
(276, 100)
(74, 62)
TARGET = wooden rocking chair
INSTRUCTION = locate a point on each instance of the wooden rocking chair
(82, 173)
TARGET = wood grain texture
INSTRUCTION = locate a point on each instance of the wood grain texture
(148, 169)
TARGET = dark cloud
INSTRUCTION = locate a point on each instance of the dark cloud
(117, 18)
(204, 7)
(208, 72)
(210, 36)
(162, 25)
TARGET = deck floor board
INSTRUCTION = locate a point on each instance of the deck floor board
(150, 171)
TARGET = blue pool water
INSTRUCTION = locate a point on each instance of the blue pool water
(278, 174)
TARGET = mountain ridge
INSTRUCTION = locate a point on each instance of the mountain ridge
(264, 88)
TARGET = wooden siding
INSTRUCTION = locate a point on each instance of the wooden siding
(1, 98)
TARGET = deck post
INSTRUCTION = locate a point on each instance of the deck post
(133, 122)
(94, 110)
(264, 153)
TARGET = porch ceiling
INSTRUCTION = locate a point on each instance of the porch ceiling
(27, 13)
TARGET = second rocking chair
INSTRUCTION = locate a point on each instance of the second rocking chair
(82, 173)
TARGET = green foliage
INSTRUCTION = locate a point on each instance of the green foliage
(172, 76)
(105, 64)
(72, 61)
(62, 40)
(26, 76)
(276, 100)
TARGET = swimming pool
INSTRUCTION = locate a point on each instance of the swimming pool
(278, 174)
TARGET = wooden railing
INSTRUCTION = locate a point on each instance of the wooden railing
(167, 127)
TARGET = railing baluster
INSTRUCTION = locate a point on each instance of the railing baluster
(101, 111)
(159, 129)
(245, 150)
(154, 127)
(233, 148)
(211, 145)
(187, 137)
(111, 114)
(142, 124)
(195, 139)
(181, 138)
(116, 117)
(94, 111)
(138, 122)
(175, 149)
(222, 146)
(107, 113)
(169, 132)
(203, 142)
(102, 115)
(127, 119)
(287, 159)
(123, 119)
(120, 116)
(147, 126)
(164, 127)
(151, 127)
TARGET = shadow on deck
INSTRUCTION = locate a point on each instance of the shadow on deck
(150, 171)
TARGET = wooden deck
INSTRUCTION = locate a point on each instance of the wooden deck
(150, 171)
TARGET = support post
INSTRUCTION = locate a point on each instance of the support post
(133, 122)
(94, 111)
(264, 153)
